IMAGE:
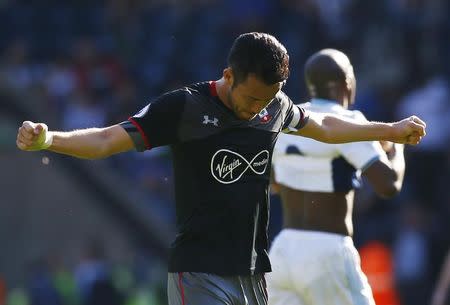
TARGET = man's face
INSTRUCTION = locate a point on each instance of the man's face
(249, 97)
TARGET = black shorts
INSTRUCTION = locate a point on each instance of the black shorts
(191, 288)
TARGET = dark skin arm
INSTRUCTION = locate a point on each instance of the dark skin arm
(387, 178)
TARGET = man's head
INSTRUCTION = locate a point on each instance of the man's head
(329, 75)
(258, 66)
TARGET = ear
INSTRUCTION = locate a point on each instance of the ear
(350, 78)
(351, 86)
(228, 76)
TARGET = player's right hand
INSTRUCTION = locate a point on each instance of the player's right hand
(33, 136)
(409, 131)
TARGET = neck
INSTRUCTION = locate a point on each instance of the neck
(222, 89)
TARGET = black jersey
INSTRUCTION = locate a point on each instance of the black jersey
(221, 168)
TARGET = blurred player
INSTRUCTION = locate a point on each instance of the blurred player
(441, 293)
(313, 257)
(222, 135)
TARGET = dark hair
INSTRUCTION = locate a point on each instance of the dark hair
(261, 54)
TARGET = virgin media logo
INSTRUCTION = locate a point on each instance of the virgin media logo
(228, 166)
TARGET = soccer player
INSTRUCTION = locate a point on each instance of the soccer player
(222, 135)
(441, 293)
(313, 257)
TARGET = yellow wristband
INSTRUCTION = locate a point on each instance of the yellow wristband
(43, 141)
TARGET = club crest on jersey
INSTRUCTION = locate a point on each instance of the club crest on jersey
(214, 121)
(228, 166)
(264, 116)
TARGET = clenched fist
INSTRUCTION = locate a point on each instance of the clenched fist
(409, 131)
(33, 136)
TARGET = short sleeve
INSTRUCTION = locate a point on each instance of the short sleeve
(157, 124)
(296, 116)
(362, 154)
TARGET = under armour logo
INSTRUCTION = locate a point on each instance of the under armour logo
(207, 121)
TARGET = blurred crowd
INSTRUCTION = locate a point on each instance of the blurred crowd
(94, 63)
(93, 280)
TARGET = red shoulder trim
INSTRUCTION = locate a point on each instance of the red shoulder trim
(141, 131)
(212, 88)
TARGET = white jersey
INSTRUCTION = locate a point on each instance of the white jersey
(308, 165)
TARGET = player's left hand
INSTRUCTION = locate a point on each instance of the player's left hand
(409, 131)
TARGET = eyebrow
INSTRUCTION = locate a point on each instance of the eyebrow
(260, 99)
(254, 98)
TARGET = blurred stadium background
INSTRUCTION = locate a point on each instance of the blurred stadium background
(96, 232)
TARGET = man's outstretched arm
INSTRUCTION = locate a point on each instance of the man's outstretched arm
(91, 143)
(333, 129)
